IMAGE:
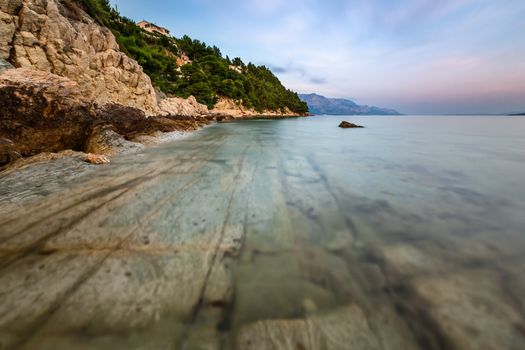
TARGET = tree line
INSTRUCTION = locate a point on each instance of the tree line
(208, 76)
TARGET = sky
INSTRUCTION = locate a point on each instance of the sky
(417, 56)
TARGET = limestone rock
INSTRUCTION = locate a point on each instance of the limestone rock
(229, 107)
(182, 59)
(97, 159)
(184, 107)
(43, 112)
(58, 37)
(348, 125)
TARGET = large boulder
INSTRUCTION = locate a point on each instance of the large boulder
(56, 36)
(43, 112)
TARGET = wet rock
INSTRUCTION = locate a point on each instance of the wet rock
(218, 117)
(348, 125)
(126, 120)
(160, 137)
(8, 152)
(132, 123)
(97, 159)
(104, 140)
(43, 112)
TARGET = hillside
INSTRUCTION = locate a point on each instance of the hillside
(318, 104)
(203, 71)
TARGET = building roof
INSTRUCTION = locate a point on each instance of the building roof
(146, 23)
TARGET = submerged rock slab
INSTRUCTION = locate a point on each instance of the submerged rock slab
(346, 328)
(459, 309)
(234, 239)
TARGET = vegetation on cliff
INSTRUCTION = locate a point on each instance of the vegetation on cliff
(208, 75)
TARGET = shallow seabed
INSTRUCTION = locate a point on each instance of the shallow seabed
(291, 234)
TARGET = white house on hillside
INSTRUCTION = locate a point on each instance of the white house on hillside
(153, 28)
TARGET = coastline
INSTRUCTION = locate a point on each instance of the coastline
(46, 173)
(157, 138)
(47, 114)
(104, 104)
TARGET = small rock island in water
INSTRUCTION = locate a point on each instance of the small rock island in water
(348, 125)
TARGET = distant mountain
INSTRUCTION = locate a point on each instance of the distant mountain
(516, 114)
(337, 106)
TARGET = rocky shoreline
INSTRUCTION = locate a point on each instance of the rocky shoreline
(42, 112)
(46, 113)
(65, 85)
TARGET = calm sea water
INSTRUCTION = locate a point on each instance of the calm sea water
(417, 221)
(276, 234)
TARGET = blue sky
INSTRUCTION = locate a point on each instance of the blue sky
(418, 56)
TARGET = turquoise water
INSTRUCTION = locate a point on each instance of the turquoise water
(275, 234)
